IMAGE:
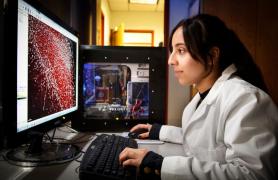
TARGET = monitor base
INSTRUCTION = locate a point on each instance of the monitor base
(52, 153)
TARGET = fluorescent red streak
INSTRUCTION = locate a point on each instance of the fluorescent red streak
(51, 68)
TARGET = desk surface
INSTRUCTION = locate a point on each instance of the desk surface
(69, 170)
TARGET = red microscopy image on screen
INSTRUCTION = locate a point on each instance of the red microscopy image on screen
(51, 70)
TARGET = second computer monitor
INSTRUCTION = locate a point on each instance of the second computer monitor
(122, 86)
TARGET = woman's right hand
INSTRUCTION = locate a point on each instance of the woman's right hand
(142, 127)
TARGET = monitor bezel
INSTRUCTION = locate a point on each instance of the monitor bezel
(12, 137)
(157, 60)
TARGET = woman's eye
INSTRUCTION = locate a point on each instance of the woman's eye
(181, 51)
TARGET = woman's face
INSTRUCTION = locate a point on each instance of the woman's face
(187, 70)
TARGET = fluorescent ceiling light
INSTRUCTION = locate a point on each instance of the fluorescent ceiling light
(143, 1)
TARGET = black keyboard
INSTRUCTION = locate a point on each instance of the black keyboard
(101, 160)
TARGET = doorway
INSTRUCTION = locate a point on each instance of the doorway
(127, 24)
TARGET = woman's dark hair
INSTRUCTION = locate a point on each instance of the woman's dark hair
(203, 31)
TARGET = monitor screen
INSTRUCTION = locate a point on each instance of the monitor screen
(116, 91)
(47, 59)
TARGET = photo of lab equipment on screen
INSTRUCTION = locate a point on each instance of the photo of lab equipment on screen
(118, 91)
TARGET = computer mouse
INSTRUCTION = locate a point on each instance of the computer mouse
(135, 134)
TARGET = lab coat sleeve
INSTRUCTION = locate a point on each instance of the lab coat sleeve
(249, 135)
(171, 134)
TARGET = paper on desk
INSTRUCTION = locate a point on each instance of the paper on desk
(144, 141)
(148, 141)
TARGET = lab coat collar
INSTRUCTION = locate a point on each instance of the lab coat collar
(226, 74)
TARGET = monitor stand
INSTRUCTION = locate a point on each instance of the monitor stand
(39, 153)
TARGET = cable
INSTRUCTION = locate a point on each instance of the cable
(53, 134)
(79, 161)
(77, 169)
(81, 156)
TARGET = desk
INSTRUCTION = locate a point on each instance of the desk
(69, 171)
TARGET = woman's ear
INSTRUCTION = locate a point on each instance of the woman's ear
(214, 54)
(213, 58)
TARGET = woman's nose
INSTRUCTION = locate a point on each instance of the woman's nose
(172, 61)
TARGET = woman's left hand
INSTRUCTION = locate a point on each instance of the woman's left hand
(132, 157)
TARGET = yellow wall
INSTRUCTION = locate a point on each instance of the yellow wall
(98, 23)
(141, 21)
(107, 18)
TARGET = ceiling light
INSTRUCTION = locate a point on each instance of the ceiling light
(143, 1)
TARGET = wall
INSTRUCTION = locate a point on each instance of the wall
(142, 21)
(81, 15)
(107, 18)
(255, 22)
(83, 20)
(60, 8)
(266, 44)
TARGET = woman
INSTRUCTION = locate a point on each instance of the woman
(229, 128)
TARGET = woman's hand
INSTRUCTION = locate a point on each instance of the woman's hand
(132, 157)
(142, 127)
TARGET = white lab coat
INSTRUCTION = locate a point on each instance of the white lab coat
(231, 135)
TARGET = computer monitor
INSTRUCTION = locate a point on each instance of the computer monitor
(121, 87)
(41, 77)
